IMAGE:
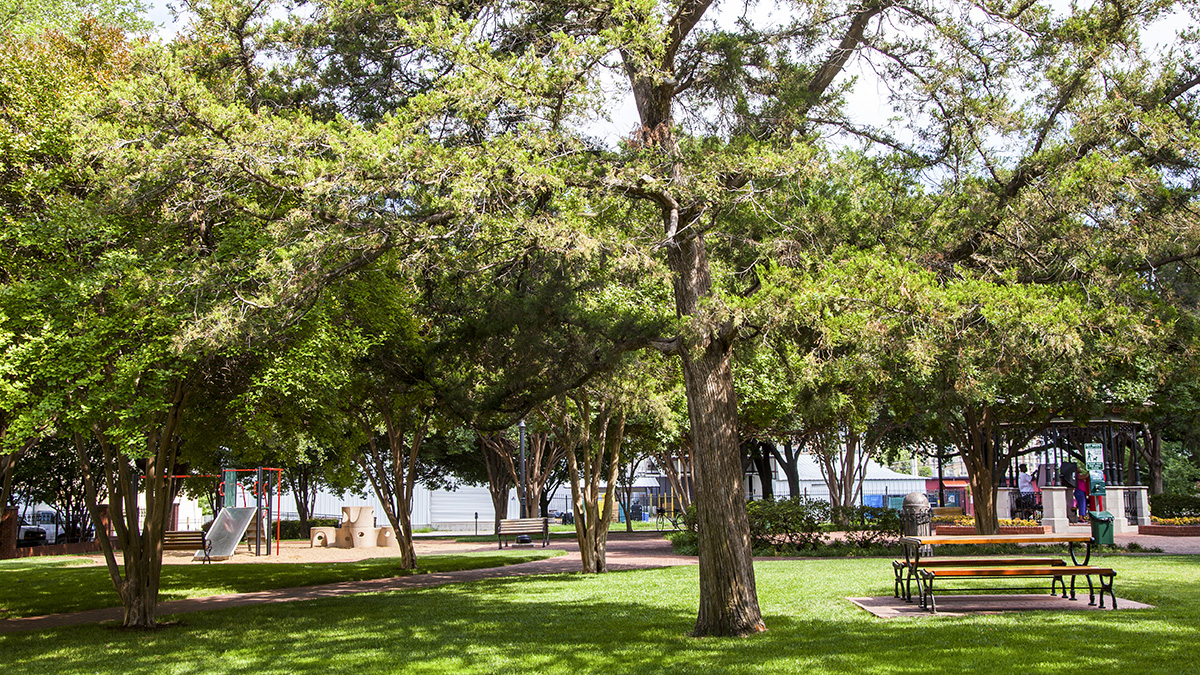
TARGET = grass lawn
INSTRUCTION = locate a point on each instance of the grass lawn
(636, 622)
(33, 586)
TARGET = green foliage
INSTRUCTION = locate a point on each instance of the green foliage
(1175, 505)
(789, 524)
(290, 529)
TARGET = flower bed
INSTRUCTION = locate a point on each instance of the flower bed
(1004, 529)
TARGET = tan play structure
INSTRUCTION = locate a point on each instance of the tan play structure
(356, 531)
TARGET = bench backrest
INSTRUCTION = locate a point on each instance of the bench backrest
(523, 525)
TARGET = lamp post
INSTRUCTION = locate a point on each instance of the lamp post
(524, 484)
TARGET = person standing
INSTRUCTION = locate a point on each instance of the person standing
(1028, 500)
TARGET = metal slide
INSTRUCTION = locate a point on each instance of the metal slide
(227, 532)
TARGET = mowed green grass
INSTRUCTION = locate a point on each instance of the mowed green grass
(32, 587)
(637, 622)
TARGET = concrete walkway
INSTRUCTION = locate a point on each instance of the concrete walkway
(625, 552)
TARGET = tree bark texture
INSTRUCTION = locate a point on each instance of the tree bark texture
(728, 596)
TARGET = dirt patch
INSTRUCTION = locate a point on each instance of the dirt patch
(301, 552)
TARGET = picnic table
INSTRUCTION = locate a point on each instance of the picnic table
(926, 571)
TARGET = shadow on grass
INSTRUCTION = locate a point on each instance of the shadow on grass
(43, 589)
(634, 622)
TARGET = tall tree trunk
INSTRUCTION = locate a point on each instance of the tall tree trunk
(299, 483)
(392, 473)
(789, 459)
(678, 475)
(1151, 452)
(592, 458)
(976, 440)
(495, 448)
(728, 596)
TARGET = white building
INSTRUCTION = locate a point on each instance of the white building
(880, 483)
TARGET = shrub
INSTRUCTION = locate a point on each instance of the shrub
(869, 526)
(1175, 506)
(290, 529)
(794, 522)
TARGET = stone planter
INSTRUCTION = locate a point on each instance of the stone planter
(1170, 530)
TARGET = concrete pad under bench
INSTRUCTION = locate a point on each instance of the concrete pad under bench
(887, 607)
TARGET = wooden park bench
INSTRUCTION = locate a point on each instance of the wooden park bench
(187, 540)
(946, 511)
(1056, 575)
(517, 526)
(906, 571)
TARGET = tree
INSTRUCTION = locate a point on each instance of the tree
(591, 439)
(51, 476)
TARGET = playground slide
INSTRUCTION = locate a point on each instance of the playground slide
(227, 531)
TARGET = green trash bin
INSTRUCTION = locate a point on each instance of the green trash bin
(1102, 527)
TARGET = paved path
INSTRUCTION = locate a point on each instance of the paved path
(625, 552)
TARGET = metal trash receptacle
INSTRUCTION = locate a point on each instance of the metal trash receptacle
(1102, 527)
(915, 514)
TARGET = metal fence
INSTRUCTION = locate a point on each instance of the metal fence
(1132, 506)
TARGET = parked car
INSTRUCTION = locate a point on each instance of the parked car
(29, 534)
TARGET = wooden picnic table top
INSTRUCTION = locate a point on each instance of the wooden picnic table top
(1048, 538)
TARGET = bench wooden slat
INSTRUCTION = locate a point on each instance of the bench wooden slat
(906, 570)
(939, 540)
(523, 526)
(980, 572)
(983, 562)
(187, 540)
(1106, 576)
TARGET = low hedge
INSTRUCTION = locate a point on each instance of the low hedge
(799, 526)
(290, 529)
(1175, 506)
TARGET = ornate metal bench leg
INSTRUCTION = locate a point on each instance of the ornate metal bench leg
(896, 571)
(1107, 587)
(925, 584)
(1092, 593)
(1073, 578)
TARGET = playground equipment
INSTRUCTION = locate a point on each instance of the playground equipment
(357, 530)
(235, 524)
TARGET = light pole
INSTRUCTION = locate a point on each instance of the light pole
(524, 484)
